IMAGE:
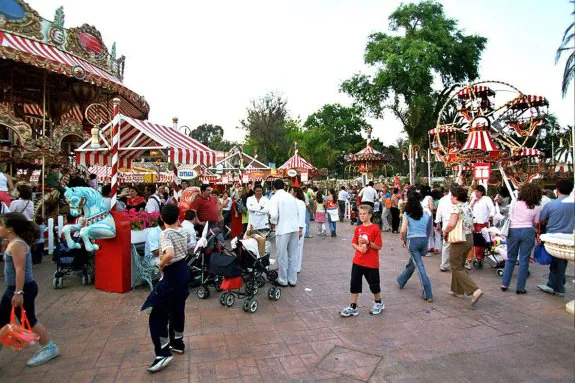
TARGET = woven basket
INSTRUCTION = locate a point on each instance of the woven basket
(560, 251)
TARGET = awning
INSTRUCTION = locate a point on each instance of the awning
(137, 137)
(104, 175)
(479, 139)
(48, 57)
(527, 152)
(478, 90)
(527, 101)
(297, 162)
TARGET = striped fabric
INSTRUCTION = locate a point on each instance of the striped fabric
(144, 134)
(297, 162)
(526, 101)
(527, 152)
(479, 139)
(442, 130)
(476, 89)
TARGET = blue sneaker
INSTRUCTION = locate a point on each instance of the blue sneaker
(43, 355)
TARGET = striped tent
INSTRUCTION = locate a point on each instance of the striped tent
(297, 162)
(524, 101)
(477, 90)
(138, 136)
(478, 140)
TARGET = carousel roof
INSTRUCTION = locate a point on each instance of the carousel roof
(479, 139)
(77, 52)
(297, 162)
(138, 136)
(475, 89)
(367, 154)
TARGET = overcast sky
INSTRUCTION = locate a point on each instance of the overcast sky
(203, 61)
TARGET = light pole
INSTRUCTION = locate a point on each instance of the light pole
(411, 153)
(426, 157)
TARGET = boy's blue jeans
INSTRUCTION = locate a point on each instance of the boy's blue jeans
(417, 249)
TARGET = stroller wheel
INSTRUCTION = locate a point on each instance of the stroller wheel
(218, 284)
(203, 292)
(277, 294)
(58, 283)
(223, 299)
(272, 275)
(500, 273)
(84, 280)
(55, 283)
(478, 264)
(89, 277)
(271, 292)
(230, 299)
(252, 306)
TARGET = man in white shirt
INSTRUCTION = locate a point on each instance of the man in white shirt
(154, 201)
(342, 198)
(188, 227)
(368, 194)
(284, 215)
(483, 211)
(442, 216)
(258, 207)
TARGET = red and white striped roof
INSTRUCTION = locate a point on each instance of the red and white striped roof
(297, 162)
(367, 150)
(138, 136)
(527, 100)
(479, 139)
(527, 152)
(442, 130)
(64, 63)
(476, 89)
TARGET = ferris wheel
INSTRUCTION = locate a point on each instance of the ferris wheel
(491, 122)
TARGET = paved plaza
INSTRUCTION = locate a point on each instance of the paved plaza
(302, 338)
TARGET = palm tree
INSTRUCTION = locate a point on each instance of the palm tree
(567, 45)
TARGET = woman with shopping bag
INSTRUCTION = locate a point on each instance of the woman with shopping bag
(21, 289)
(332, 211)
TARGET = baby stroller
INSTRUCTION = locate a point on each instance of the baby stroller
(354, 212)
(245, 254)
(76, 261)
(198, 262)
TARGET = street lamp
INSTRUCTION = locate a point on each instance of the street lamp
(411, 153)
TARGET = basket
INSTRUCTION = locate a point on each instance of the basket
(560, 251)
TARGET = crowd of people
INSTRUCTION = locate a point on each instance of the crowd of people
(429, 222)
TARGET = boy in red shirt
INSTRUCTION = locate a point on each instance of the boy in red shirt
(366, 242)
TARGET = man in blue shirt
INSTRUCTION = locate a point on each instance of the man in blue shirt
(560, 218)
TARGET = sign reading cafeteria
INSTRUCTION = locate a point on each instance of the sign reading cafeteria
(187, 174)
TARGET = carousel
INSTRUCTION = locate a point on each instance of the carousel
(56, 83)
(365, 162)
(491, 125)
(297, 168)
(239, 167)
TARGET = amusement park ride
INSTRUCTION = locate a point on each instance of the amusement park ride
(492, 125)
(367, 161)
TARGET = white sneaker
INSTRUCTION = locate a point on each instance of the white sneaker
(43, 355)
(160, 363)
(377, 308)
(348, 311)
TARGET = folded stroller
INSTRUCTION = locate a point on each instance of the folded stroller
(72, 261)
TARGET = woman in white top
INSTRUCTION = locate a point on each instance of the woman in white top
(6, 185)
(226, 209)
(300, 199)
(24, 203)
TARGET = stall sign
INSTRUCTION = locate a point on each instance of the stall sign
(245, 179)
(481, 171)
(304, 176)
(292, 172)
(188, 174)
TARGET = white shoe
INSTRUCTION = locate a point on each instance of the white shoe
(377, 308)
(160, 363)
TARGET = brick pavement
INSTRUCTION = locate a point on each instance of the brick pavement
(301, 338)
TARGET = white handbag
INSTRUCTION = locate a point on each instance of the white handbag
(505, 228)
(333, 215)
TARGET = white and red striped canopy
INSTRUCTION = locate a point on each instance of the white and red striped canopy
(297, 162)
(138, 136)
(527, 152)
(367, 150)
(476, 89)
(527, 101)
(443, 130)
(479, 139)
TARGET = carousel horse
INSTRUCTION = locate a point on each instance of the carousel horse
(98, 222)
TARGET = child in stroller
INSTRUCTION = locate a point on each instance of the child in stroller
(68, 261)
(494, 249)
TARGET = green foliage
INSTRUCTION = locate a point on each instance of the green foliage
(265, 126)
(426, 46)
(212, 136)
(567, 45)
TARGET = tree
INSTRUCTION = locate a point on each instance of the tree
(330, 133)
(567, 44)
(265, 126)
(426, 47)
(205, 133)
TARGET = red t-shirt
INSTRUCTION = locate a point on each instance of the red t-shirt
(371, 258)
(205, 209)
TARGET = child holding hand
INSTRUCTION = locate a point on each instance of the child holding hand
(367, 243)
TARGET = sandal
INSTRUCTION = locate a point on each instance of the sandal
(456, 295)
(504, 288)
(476, 296)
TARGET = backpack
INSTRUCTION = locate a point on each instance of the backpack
(388, 203)
(240, 206)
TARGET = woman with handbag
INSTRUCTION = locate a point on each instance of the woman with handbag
(459, 235)
(332, 211)
(524, 217)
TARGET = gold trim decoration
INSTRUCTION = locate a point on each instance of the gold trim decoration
(75, 46)
(19, 126)
(68, 127)
(29, 25)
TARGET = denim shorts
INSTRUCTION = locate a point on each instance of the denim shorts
(30, 292)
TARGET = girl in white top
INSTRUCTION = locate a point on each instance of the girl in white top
(5, 185)
(24, 204)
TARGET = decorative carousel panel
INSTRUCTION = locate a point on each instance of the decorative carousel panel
(86, 42)
(16, 16)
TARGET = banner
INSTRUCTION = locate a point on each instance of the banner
(304, 176)
(245, 179)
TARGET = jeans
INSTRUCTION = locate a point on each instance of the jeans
(557, 270)
(306, 222)
(332, 225)
(341, 210)
(520, 242)
(417, 250)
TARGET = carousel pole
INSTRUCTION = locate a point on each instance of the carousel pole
(43, 132)
(175, 180)
(115, 141)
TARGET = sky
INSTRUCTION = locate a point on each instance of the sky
(204, 61)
